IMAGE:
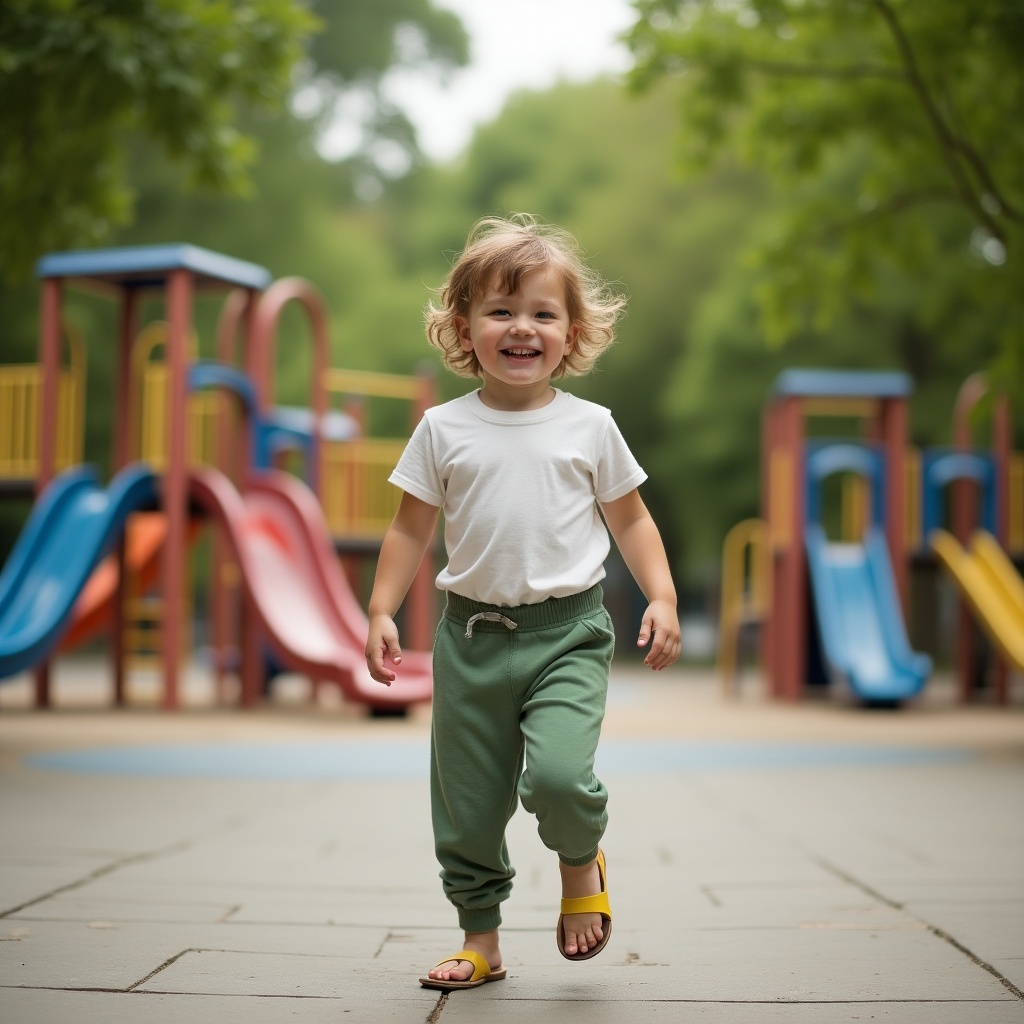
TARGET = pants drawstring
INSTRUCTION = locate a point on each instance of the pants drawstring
(489, 617)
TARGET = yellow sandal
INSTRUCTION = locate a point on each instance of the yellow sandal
(587, 905)
(482, 972)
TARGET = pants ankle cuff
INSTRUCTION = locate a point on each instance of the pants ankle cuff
(578, 862)
(480, 919)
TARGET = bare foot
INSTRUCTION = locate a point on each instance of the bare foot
(484, 943)
(581, 932)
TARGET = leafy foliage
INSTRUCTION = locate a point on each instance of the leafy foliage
(892, 124)
(78, 76)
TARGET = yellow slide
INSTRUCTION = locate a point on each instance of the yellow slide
(992, 586)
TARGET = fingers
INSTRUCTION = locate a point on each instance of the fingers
(381, 646)
(662, 632)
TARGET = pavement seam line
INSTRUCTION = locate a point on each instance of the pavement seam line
(939, 933)
(521, 999)
(435, 1014)
(101, 872)
(156, 970)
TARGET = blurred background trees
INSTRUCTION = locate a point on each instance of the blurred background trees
(774, 192)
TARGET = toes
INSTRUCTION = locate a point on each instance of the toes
(581, 942)
(449, 971)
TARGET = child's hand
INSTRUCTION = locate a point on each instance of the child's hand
(661, 620)
(382, 642)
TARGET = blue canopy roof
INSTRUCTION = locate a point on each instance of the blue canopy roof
(148, 266)
(843, 384)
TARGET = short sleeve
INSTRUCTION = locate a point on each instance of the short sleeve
(618, 471)
(416, 472)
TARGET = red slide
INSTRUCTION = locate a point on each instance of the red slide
(302, 599)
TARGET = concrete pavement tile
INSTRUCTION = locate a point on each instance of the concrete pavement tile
(1011, 968)
(951, 891)
(42, 1006)
(249, 902)
(783, 964)
(24, 877)
(381, 907)
(117, 813)
(81, 955)
(496, 1005)
(791, 906)
(990, 932)
(78, 907)
(111, 955)
(227, 972)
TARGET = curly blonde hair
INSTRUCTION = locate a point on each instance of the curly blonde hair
(502, 251)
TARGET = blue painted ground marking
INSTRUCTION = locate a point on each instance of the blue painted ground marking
(410, 759)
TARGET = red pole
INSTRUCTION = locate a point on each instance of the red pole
(175, 488)
(793, 622)
(123, 422)
(963, 514)
(49, 359)
(894, 442)
(1002, 446)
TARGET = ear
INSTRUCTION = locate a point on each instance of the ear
(462, 330)
(570, 338)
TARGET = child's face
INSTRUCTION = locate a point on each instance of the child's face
(520, 339)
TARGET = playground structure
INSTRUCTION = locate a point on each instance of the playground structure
(196, 438)
(834, 609)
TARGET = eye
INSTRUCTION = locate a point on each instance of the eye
(544, 315)
(501, 311)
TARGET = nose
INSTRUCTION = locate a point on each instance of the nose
(522, 325)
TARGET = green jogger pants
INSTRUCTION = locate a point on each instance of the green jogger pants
(519, 697)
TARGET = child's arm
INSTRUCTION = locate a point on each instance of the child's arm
(642, 549)
(404, 545)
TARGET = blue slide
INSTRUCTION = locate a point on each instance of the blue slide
(860, 619)
(72, 527)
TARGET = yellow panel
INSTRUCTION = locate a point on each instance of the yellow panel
(780, 499)
(377, 385)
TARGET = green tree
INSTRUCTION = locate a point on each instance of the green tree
(96, 95)
(77, 77)
(915, 101)
(358, 46)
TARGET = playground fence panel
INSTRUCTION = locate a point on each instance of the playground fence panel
(358, 501)
(20, 397)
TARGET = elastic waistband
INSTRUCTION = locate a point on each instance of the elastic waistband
(551, 612)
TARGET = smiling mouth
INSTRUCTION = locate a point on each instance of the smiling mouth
(520, 353)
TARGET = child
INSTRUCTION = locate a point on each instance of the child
(523, 650)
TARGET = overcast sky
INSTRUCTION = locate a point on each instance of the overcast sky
(514, 44)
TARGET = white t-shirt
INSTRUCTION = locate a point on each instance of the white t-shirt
(519, 492)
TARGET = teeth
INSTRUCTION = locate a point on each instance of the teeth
(521, 352)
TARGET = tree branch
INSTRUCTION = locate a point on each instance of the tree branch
(953, 148)
(849, 72)
(890, 207)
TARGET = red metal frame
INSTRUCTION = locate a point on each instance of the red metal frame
(785, 636)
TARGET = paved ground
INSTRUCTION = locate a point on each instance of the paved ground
(766, 864)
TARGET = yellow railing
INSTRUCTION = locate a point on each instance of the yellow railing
(20, 397)
(361, 383)
(358, 501)
(780, 500)
(149, 379)
(746, 591)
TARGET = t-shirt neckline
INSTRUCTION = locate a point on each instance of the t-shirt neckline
(545, 412)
